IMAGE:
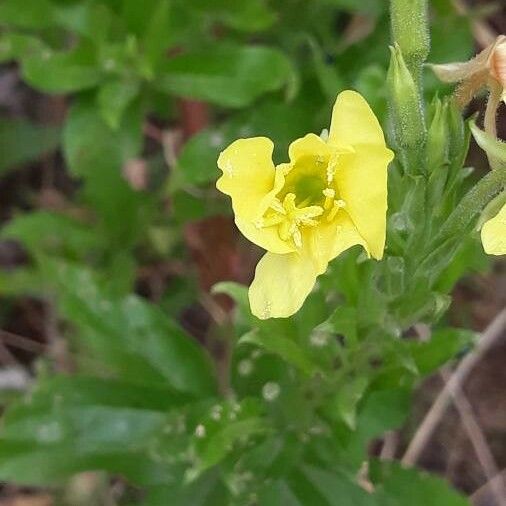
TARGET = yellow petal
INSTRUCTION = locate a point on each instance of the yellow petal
(328, 240)
(281, 284)
(267, 238)
(362, 183)
(493, 234)
(353, 122)
(309, 145)
(248, 175)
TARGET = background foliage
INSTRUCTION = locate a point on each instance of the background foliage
(231, 410)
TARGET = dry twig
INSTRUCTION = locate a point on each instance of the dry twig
(493, 332)
(479, 442)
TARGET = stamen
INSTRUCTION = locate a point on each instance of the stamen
(284, 230)
(278, 207)
(297, 238)
(331, 170)
(289, 203)
(309, 222)
(338, 204)
(269, 221)
(308, 212)
(329, 194)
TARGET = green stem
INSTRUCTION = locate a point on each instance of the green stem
(466, 212)
(473, 203)
(410, 29)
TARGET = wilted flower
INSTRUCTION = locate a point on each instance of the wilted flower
(487, 69)
(330, 196)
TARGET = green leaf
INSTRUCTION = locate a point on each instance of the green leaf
(276, 494)
(14, 46)
(84, 18)
(157, 38)
(369, 7)
(347, 399)
(330, 81)
(342, 321)
(30, 463)
(197, 161)
(114, 97)
(443, 346)
(213, 449)
(282, 346)
(227, 75)
(92, 429)
(62, 72)
(248, 16)
(380, 411)
(34, 14)
(137, 15)
(495, 148)
(74, 424)
(207, 490)
(131, 336)
(89, 145)
(320, 487)
(398, 486)
(22, 142)
(89, 19)
(83, 390)
(22, 282)
(45, 231)
(98, 154)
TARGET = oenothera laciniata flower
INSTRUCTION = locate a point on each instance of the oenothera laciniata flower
(331, 195)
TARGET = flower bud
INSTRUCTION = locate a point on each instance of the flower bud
(458, 142)
(437, 137)
(405, 104)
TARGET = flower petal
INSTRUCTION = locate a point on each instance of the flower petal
(493, 234)
(353, 122)
(281, 284)
(328, 240)
(309, 145)
(362, 183)
(267, 238)
(248, 175)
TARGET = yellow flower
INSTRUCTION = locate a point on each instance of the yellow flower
(493, 234)
(330, 196)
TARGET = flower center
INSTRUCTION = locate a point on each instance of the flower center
(307, 198)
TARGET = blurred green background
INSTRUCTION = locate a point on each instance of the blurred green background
(112, 116)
